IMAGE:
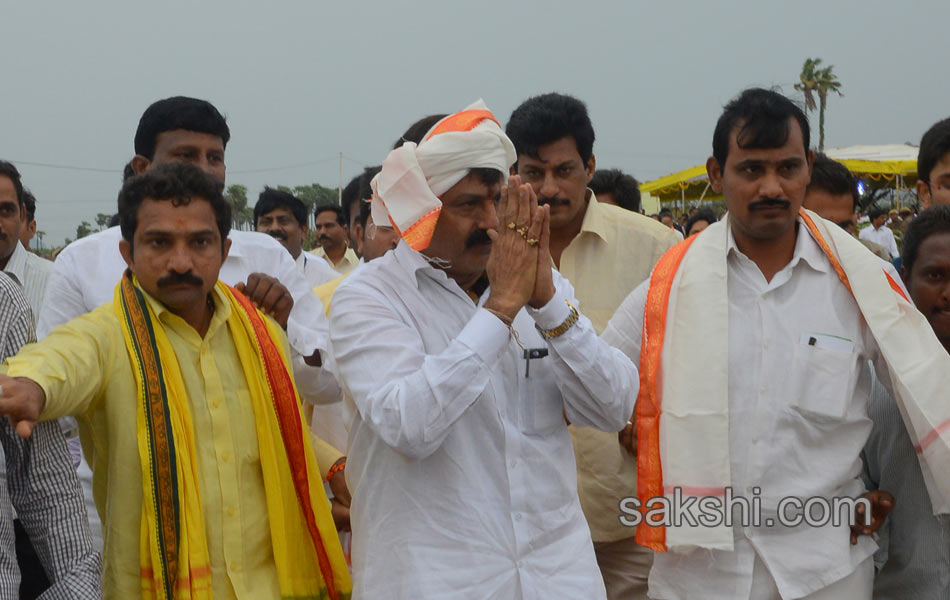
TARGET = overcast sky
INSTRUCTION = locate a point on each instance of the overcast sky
(302, 81)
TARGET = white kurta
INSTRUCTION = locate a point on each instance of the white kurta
(797, 422)
(461, 466)
(314, 269)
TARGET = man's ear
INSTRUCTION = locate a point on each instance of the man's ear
(140, 164)
(227, 248)
(923, 192)
(591, 167)
(125, 249)
(358, 234)
(714, 171)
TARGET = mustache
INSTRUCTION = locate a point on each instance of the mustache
(553, 202)
(323, 238)
(175, 278)
(278, 235)
(477, 238)
(769, 203)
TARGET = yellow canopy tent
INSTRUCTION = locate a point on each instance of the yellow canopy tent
(881, 166)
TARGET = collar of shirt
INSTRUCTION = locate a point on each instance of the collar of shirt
(222, 311)
(594, 217)
(806, 249)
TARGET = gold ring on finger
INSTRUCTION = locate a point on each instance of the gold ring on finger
(522, 231)
(532, 241)
(512, 225)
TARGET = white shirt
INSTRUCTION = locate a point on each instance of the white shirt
(798, 421)
(32, 272)
(462, 469)
(883, 236)
(314, 269)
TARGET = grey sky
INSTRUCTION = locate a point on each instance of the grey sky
(301, 81)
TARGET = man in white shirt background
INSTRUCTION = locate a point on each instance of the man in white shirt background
(30, 271)
(283, 216)
(462, 356)
(879, 233)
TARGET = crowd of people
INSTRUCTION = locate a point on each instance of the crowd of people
(490, 357)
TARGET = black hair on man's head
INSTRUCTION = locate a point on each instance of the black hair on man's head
(179, 183)
(935, 219)
(331, 208)
(875, 212)
(418, 130)
(934, 145)
(178, 112)
(544, 119)
(271, 199)
(349, 195)
(762, 117)
(8, 169)
(366, 193)
(703, 214)
(29, 201)
(624, 188)
(833, 177)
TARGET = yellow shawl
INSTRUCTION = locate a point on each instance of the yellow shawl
(174, 551)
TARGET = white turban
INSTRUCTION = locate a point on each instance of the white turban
(406, 191)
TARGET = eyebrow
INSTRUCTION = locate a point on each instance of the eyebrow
(164, 233)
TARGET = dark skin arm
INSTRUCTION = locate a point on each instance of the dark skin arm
(270, 296)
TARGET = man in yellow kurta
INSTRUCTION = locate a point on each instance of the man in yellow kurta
(202, 472)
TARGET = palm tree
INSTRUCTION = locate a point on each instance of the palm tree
(818, 81)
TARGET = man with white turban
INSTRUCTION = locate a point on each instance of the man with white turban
(463, 356)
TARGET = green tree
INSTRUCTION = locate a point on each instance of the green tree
(817, 81)
(243, 216)
(83, 229)
(315, 194)
(102, 220)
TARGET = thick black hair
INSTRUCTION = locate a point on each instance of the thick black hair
(366, 193)
(762, 118)
(935, 219)
(933, 146)
(547, 118)
(875, 212)
(271, 199)
(703, 214)
(9, 170)
(418, 130)
(624, 188)
(349, 195)
(334, 208)
(833, 177)
(29, 202)
(178, 182)
(178, 112)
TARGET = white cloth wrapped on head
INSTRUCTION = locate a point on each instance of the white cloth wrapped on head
(406, 191)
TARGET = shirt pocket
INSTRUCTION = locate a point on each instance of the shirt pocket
(824, 382)
(542, 409)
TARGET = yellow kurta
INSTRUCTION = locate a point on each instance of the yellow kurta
(346, 265)
(84, 368)
(615, 250)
